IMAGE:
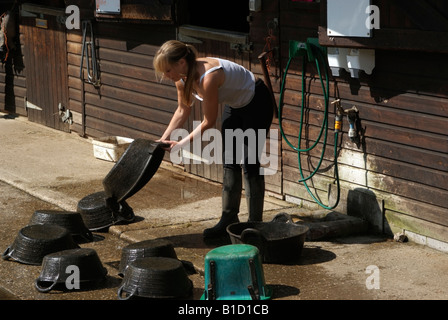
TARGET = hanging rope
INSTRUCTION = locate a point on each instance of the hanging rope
(91, 61)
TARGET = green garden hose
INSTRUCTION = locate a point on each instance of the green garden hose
(324, 127)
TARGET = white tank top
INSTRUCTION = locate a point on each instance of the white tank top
(238, 88)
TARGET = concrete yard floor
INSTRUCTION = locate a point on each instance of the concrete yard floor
(327, 270)
(46, 169)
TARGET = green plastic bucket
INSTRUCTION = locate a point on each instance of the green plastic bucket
(235, 272)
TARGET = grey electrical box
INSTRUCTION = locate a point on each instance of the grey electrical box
(348, 18)
(108, 6)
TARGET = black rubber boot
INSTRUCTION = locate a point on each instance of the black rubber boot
(254, 187)
(231, 200)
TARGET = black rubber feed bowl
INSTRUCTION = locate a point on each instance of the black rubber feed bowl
(34, 242)
(70, 220)
(59, 266)
(279, 241)
(98, 214)
(145, 249)
(134, 169)
(155, 278)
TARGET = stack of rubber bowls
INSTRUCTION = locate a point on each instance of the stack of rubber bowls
(145, 249)
(51, 239)
(156, 278)
(150, 269)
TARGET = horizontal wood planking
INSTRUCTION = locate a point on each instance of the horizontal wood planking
(130, 95)
(376, 125)
(13, 81)
(401, 148)
(404, 112)
(369, 176)
(12, 92)
(264, 36)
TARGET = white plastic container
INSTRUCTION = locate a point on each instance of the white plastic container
(110, 148)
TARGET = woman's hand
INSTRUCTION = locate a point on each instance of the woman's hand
(169, 145)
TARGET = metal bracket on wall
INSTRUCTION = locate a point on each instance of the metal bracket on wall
(65, 114)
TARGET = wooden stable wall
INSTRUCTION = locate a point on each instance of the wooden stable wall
(264, 37)
(398, 176)
(12, 74)
(13, 85)
(130, 102)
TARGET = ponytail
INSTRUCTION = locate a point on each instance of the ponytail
(171, 52)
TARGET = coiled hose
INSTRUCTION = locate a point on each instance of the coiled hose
(324, 128)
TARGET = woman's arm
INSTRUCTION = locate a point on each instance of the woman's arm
(180, 115)
(210, 103)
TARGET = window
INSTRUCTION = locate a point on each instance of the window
(228, 15)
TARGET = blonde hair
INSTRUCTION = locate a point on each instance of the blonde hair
(171, 52)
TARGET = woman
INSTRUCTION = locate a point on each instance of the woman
(247, 106)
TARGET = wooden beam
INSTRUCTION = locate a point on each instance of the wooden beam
(51, 11)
